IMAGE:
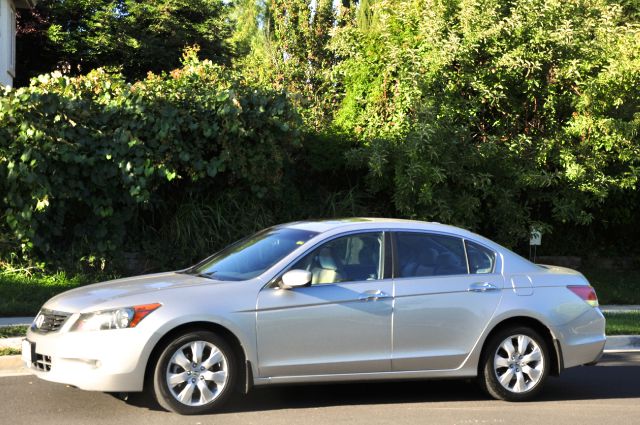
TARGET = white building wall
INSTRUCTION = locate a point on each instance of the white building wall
(6, 36)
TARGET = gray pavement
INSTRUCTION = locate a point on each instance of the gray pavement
(603, 394)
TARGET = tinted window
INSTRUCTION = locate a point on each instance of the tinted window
(252, 256)
(423, 254)
(481, 259)
(345, 259)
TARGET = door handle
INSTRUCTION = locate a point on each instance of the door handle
(482, 287)
(373, 295)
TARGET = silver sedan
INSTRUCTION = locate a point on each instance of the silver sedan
(323, 301)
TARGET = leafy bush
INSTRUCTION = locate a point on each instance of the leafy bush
(494, 115)
(83, 157)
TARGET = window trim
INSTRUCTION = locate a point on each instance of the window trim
(273, 283)
(396, 260)
(495, 257)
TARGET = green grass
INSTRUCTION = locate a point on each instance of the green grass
(8, 351)
(615, 287)
(12, 331)
(623, 323)
(22, 294)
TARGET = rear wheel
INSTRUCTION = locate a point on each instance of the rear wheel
(195, 373)
(515, 364)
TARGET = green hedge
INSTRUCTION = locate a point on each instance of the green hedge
(84, 158)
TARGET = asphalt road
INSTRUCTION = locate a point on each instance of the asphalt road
(605, 394)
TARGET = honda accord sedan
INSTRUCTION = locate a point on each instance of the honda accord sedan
(323, 301)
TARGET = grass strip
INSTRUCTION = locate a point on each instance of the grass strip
(23, 294)
(9, 351)
(627, 323)
(12, 331)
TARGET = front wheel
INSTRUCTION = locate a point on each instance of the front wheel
(515, 364)
(195, 373)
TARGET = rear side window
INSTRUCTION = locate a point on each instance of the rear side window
(481, 259)
(424, 254)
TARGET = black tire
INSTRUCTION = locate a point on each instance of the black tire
(165, 395)
(489, 371)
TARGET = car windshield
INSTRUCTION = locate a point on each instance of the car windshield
(251, 256)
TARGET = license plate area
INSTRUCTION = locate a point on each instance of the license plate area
(28, 352)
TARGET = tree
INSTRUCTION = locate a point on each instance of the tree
(137, 36)
(494, 115)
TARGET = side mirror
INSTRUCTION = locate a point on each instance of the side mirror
(295, 279)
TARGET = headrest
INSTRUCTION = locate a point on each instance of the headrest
(367, 255)
(325, 259)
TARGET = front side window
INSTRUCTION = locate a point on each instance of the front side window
(424, 254)
(252, 256)
(481, 259)
(345, 259)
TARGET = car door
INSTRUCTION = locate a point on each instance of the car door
(441, 308)
(340, 323)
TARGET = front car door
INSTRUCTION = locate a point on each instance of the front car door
(341, 322)
(446, 291)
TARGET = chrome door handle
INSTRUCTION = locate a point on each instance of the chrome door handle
(482, 287)
(373, 295)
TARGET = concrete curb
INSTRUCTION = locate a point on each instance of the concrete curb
(622, 344)
(15, 343)
(12, 366)
(619, 308)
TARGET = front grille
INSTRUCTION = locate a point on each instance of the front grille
(51, 321)
(42, 363)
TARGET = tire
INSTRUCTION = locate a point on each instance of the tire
(189, 386)
(508, 374)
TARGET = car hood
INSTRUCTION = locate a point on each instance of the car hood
(79, 299)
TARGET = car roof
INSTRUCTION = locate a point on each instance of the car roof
(322, 226)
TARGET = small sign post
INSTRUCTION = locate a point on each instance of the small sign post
(535, 240)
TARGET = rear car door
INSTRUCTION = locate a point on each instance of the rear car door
(446, 291)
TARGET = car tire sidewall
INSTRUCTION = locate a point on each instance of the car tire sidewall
(489, 380)
(161, 390)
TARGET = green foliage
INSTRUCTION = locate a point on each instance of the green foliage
(286, 45)
(138, 36)
(83, 157)
(623, 323)
(615, 286)
(196, 225)
(13, 331)
(493, 115)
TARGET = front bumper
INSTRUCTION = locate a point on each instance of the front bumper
(112, 360)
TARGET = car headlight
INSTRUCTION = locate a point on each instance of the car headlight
(119, 318)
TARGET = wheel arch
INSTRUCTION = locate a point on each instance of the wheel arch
(244, 368)
(555, 350)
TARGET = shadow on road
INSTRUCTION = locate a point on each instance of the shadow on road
(615, 377)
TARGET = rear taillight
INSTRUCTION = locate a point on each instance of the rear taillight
(587, 293)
